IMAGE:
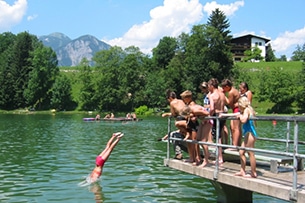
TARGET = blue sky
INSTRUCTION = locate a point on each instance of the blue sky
(144, 22)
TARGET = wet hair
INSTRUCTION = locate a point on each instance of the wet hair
(213, 82)
(244, 85)
(186, 94)
(226, 82)
(170, 94)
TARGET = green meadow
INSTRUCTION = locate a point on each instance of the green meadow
(253, 70)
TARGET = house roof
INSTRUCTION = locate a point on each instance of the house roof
(250, 35)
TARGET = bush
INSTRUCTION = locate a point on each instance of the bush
(143, 110)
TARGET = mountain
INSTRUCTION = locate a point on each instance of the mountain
(71, 52)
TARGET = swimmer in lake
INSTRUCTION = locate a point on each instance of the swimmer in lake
(103, 156)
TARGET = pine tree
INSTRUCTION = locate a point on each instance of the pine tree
(219, 38)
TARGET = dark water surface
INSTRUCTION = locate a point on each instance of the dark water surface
(44, 157)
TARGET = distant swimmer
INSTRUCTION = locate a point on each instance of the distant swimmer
(101, 159)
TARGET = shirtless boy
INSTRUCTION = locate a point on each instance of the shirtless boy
(232, 101)
(217, 105)
(176, 107)
(191, 126)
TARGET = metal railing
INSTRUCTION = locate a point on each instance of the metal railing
(294, 154)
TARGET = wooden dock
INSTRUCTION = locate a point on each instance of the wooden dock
(236, 189)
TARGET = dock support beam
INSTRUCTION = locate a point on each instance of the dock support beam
(230, 194)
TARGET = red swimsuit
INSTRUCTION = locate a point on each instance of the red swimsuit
(99, 161)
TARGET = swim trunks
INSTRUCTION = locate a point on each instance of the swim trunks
(221, 125)
(99, 161)
(180, 118)
(193, 125)
(236, 110)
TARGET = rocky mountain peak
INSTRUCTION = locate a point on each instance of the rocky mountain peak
(71, 52)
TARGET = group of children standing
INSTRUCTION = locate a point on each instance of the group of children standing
(217, 97)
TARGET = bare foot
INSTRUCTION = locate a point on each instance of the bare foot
(239, 174)
(196, 163)
(249, 176)
(204, 163)
(219, 162)
(116, 134)
(120, 135)
(253, 175)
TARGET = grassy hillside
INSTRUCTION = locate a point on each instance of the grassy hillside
(294, 66)
(253, 71)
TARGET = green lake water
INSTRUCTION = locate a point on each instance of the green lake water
(44, 157)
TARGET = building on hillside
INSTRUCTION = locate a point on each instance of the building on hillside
(247, 42)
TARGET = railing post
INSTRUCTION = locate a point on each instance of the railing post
(293, 192)
(288, 136)
(216, 151)
(168, 137)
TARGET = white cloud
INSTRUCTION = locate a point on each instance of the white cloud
(11, 15)
(170, 19)
(228, 9)
(32, 17)
(288, 40)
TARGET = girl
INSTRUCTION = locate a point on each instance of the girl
(102, 158)
(244, 91)
(249, 133)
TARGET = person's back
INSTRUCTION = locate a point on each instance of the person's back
(221, 101)
(176, 106)
(217, 103)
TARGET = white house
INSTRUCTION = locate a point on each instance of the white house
(247, 42)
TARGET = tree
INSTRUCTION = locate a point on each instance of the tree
(164, 52)
(219, 54)
(253, 54)
(195, 61)
(299, 53)
(283, 58)
(20, 66)
(62, 94)
(87, 97)
(277, 86)
(270, 54)
(42, 76)
(155, 90)
(108, 94)
(300, 89)
(7, 80)
(132, 78)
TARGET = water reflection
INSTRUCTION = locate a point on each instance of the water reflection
(96, 189)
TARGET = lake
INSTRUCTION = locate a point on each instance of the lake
(44, 157)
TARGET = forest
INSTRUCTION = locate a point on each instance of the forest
(124, 79)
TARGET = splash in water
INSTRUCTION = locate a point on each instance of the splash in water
(88, 181)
